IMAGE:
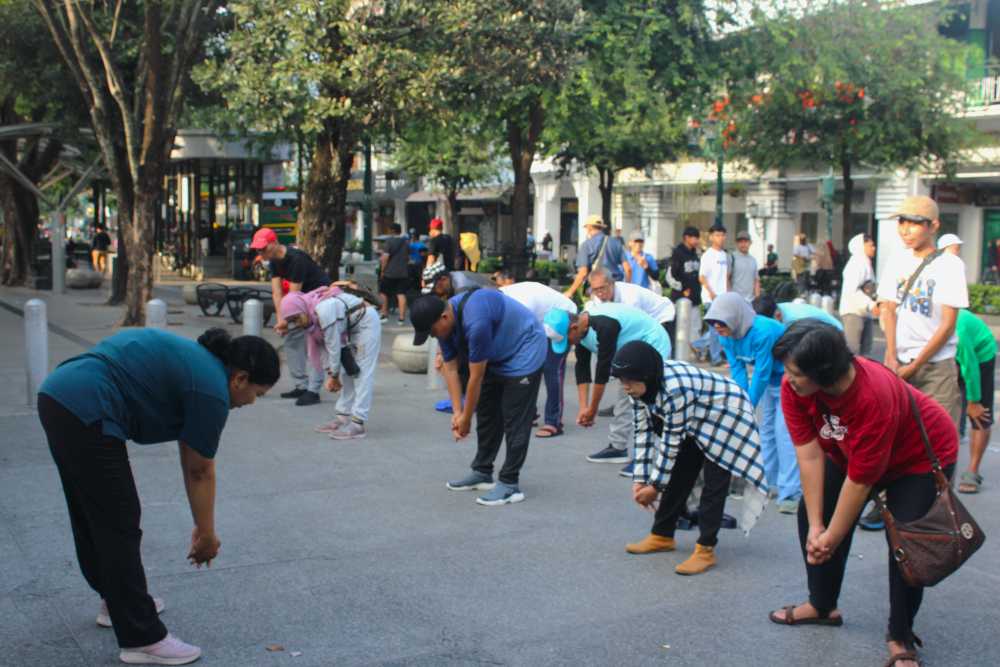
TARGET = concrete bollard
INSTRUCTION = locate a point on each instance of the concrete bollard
(826, 303)
(815, 299)
(156, 314)
(682, 329)
(253, 317)
(36, 343)
(433, 377)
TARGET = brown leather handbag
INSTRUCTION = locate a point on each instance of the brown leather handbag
(935, 545)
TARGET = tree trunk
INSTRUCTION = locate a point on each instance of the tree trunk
(522, 137)
(119, 277)
(138, 234)
(451, 204)
(606, 176)
(323, 214)
(845, 171)
(20, 216)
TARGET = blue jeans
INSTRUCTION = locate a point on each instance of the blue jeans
(780, 465)
(710, 340)
(555, 373)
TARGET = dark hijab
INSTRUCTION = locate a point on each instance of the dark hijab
(641, 362)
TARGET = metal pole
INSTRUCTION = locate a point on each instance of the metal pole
(433, 377)
(719, 185)
(58, 238)
(36, 343)
(682, 329)
(366, 242)
(253, 317)
(156, 314)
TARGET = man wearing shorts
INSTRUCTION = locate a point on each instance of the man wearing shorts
(395, 272)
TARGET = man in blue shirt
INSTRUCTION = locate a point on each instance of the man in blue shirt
(505, 345)
(644, 269)
(747, 340)
(591, 255)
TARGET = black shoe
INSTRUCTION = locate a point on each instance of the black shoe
(728, 521)
(294, 393)
(308, 398)
(609, 455)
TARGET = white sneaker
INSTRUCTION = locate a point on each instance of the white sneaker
(167, 651)
(352, 430)
(335, 424)
(104, 618)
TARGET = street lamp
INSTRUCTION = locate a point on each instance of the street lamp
(705, 139)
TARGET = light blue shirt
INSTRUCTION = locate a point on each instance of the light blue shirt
(754, 349)
(793, 312)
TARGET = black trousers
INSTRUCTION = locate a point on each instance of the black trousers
(104, 513)
(908, 498)
(690, 461)
(671, 329)
(506, 409)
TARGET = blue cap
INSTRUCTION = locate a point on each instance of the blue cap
(556, 324)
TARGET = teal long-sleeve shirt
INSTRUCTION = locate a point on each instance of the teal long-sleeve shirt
(755, 349)
(976, 346)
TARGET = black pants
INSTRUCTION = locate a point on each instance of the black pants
(671, 329)
(506, 408)
(104, 512)
(690, 461)
(908, 498)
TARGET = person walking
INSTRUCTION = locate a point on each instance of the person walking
(344, 337)
(714, 274)
(748, 339)
(676, 408)
(684, 269)
(505, 345)
(859, 327)
(148, 386)
(856, 431)
(99, 246)
(395, 273)
(540, 299)
(643, 265)
(598, 251)
(302, 274)
(441, 248)
(976, 355)
(745, 281)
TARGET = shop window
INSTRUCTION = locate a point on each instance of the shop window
(949, 224)
(809, 225)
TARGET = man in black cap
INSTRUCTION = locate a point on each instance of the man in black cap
(506, 348)
(684, 264)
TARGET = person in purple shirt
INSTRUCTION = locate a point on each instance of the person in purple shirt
(506, 347)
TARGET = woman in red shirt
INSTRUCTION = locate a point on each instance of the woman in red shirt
(855, 432)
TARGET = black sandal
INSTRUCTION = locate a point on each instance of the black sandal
(789, 619)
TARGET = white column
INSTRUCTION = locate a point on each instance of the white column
(772, 223)
(588, 196)
(656, 220)
(547, 211)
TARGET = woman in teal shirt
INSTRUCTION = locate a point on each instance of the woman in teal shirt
(147, 386)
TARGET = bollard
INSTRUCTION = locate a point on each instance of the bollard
(815, 299)
(433, 377)
(36, 343)
(156, 314)
(253, 317)
(682, 329)
(826, 303)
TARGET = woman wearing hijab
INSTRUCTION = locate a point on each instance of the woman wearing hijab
(678, 408)
(147, 386)
(335, 321)
(857, 309)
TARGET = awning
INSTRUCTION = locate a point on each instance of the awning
(423, 197)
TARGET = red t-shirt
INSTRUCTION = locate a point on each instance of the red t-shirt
(870, 430)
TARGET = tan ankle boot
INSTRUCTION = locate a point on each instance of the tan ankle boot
(702, 559)
(651, 544)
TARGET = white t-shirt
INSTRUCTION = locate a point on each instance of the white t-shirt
(918, 314)
(715, 269)
(660, 308)
(538, 298)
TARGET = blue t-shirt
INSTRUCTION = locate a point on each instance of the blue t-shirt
(147, 386)
(754, 349)
(415, 248)
(793, 312)
(641, 276)
(614, 255)
(499, 331)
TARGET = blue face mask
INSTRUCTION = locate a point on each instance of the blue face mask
(590, 340)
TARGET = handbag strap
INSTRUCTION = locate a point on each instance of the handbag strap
(935, 462)
(913, 276)
(600, 254)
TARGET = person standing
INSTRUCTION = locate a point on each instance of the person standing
(748, 339)
(441, 249)
(802, 254)
(395, 273)
(859, 328)
(547, 242)
(976, 355)
(540, 299)
(771, 261)
(644, 269)
(344, 338)
(598, 251)
(505, 345)
(99, 250)
(684, 268)
(856, 431)
(714, 274)
(746, 281)
(676, 408)
(302, 274)
(147, 386)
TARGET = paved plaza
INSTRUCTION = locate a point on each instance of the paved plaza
(355, 553)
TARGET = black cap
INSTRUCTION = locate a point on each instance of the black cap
(717, 228)
(691, 231)
(424, 312)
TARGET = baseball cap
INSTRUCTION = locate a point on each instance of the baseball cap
(424, 312)
(742, 236)
(918, 208)
(262, 237)
(637, 236)
(556, 325)
(947, 240)
(594, 221)
(430, 276)
(691, 231)
(437, 223)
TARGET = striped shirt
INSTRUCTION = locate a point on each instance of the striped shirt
(717, 414)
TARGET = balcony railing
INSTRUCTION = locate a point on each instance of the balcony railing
(984, 91)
